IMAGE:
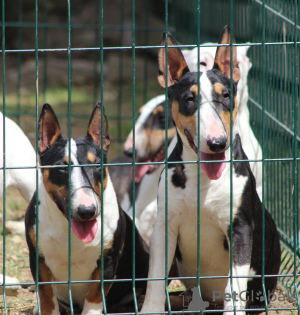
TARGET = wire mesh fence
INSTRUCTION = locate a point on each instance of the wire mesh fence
(74, 54)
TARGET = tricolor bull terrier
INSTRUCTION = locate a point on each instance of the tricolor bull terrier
(91, 188)
(230, 211)
(150, 140)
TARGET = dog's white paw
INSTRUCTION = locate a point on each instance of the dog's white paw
(92, 308)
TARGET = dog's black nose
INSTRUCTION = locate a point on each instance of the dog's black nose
(128, 152)
(86, 213)
(217, 144)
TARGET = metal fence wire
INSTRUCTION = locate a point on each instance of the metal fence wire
(73, 54)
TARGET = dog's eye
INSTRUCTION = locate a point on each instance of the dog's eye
(63, 167)
(203, 63)
(190, 98)
(226, 94)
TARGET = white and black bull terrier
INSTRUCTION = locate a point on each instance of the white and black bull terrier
(90, 188)
(230, 251)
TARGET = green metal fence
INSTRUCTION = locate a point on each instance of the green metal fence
(72, 54)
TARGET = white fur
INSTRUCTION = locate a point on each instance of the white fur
(239, 286)
(182, 223)
(53, 239)
(92, 308)
(250, 144)
(215, 210)
(54, 312)
(19, 154)
(147, 191)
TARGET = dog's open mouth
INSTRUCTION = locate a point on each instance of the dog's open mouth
(212, 170)
(85, 230)
(141, 170)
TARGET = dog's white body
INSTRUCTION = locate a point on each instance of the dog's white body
(216, 201)
(54, 241)
(146, 202)
(19, 154)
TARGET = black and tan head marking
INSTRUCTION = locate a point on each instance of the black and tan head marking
(54, 152)
(215, 94)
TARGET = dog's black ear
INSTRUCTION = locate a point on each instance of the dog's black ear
(222, 59)
(94, 129)
(49, 129)
(177, 65)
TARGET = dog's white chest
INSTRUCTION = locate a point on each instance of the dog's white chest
(54, 246)
(214, 209)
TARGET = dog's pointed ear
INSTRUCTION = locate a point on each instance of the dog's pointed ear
(94, 129)
(222, 59)
(49, 129)
(177, 65)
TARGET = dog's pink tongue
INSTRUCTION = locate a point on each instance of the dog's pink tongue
(213, 170)
(140, 171)
(85, 230)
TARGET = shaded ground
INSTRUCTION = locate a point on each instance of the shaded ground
(17, 264)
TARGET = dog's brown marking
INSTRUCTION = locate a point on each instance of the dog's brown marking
(194, 89)
(94, 129)
(66, 159)
(108, 247)
(223, 55)
(155, 139)
(225, 116)
(61, 191)
(94, 295)
(45, 290)
(97, 186)
(141, 109)
(91, 157)
(219, 88)
(32, 236)
(158, 109)
(183, 122)
(49, 131)
(176, 63)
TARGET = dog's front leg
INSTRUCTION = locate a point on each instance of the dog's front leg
(155, 294)
(47, 299)
(236, 288)
(93, 303)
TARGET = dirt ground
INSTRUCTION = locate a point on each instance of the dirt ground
(17, 264)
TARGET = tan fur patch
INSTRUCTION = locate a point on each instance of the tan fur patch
(50, 187)
(45, 290)
(32, 236)
(91, 157)
(158, 109)
(141, 109)
(218, 87)
(51, 121)
(194, 89)
(183, 122)
(94, 295)
(156, 139)
(97, 186)
(67, 159)
(225, 116)
(108, 247)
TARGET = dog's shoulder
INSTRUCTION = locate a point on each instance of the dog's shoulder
(121, 254)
